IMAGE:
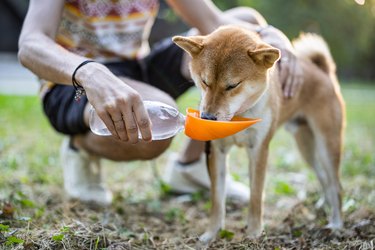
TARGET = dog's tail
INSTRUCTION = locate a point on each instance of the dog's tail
(313, 47)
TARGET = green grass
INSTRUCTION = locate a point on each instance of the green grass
(31, 178)
(28, 145)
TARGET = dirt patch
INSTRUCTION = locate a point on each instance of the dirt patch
(171, 222)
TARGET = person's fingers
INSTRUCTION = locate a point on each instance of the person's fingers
(107, 119)
(143, 121)
(120, 127)
(282, 73)
(291, 76)
(130, 123)
(286, 77)
(291, 80)
(288, 86)
(117, 120)
(298, 78)
(296, 84)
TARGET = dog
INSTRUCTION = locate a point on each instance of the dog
(237, 74)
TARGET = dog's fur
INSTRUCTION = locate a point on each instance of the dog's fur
(238, 75)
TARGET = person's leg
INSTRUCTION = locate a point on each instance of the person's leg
(81, 154)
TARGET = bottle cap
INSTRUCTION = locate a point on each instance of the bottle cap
(206, 130)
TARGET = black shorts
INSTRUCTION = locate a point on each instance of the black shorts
(161, 68)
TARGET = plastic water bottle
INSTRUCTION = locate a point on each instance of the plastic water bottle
(166, 121)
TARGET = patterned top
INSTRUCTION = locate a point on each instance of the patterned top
(107, 30)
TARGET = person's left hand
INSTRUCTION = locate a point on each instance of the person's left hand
(290, 73)
(289, 66)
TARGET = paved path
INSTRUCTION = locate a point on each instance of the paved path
(14, 78)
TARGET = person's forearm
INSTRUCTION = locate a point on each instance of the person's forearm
(201, 14)
(276, 38)
(48, 60)
(204, 15)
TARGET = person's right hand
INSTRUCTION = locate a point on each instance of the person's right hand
(117, 104)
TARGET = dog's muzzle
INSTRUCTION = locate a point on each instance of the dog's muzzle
(208, 116)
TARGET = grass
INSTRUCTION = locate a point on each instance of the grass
(34, 213)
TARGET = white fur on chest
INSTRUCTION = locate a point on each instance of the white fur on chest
(254, 135)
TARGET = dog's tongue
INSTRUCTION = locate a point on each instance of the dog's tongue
(207, 130)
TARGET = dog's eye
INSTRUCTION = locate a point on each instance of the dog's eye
(232, 86)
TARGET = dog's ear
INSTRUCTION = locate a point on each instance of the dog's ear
(265, 56)
(193, 44)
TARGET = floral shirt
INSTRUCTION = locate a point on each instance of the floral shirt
(107, 30)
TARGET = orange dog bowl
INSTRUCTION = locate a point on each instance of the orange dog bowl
(206, 130)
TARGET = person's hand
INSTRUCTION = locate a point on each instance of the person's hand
(118, 105)
(290, 73)
(289, 67)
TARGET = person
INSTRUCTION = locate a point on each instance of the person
(89, 52)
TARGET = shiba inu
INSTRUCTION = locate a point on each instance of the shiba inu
(237, 74)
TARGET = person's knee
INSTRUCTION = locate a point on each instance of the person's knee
(115, 150)
(154, 149)
(140, 151)
(247, 14)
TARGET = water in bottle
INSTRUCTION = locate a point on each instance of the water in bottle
(166, 121)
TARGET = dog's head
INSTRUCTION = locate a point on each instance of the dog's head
(230, 67)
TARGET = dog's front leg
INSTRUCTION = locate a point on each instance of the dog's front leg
(257, 171)
(217, 172)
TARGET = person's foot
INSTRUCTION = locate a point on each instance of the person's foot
(82, 176)
(190, 178)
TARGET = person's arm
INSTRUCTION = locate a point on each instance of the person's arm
(206, 17)
(112, 98)
(37, 49)
(291, 75)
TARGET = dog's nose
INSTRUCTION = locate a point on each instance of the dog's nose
(208, 116)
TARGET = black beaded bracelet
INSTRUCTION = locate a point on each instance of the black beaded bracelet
(80, 91)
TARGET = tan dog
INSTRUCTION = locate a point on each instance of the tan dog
(237, 75)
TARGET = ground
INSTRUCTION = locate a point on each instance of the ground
(34, 214)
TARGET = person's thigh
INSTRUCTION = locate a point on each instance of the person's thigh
(162, 68)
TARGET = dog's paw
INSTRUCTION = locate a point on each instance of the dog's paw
(334, 226)
(321, 203)
(254, 233)
(207, 237)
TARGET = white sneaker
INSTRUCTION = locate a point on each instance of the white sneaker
(194, 177)
(82, 176)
